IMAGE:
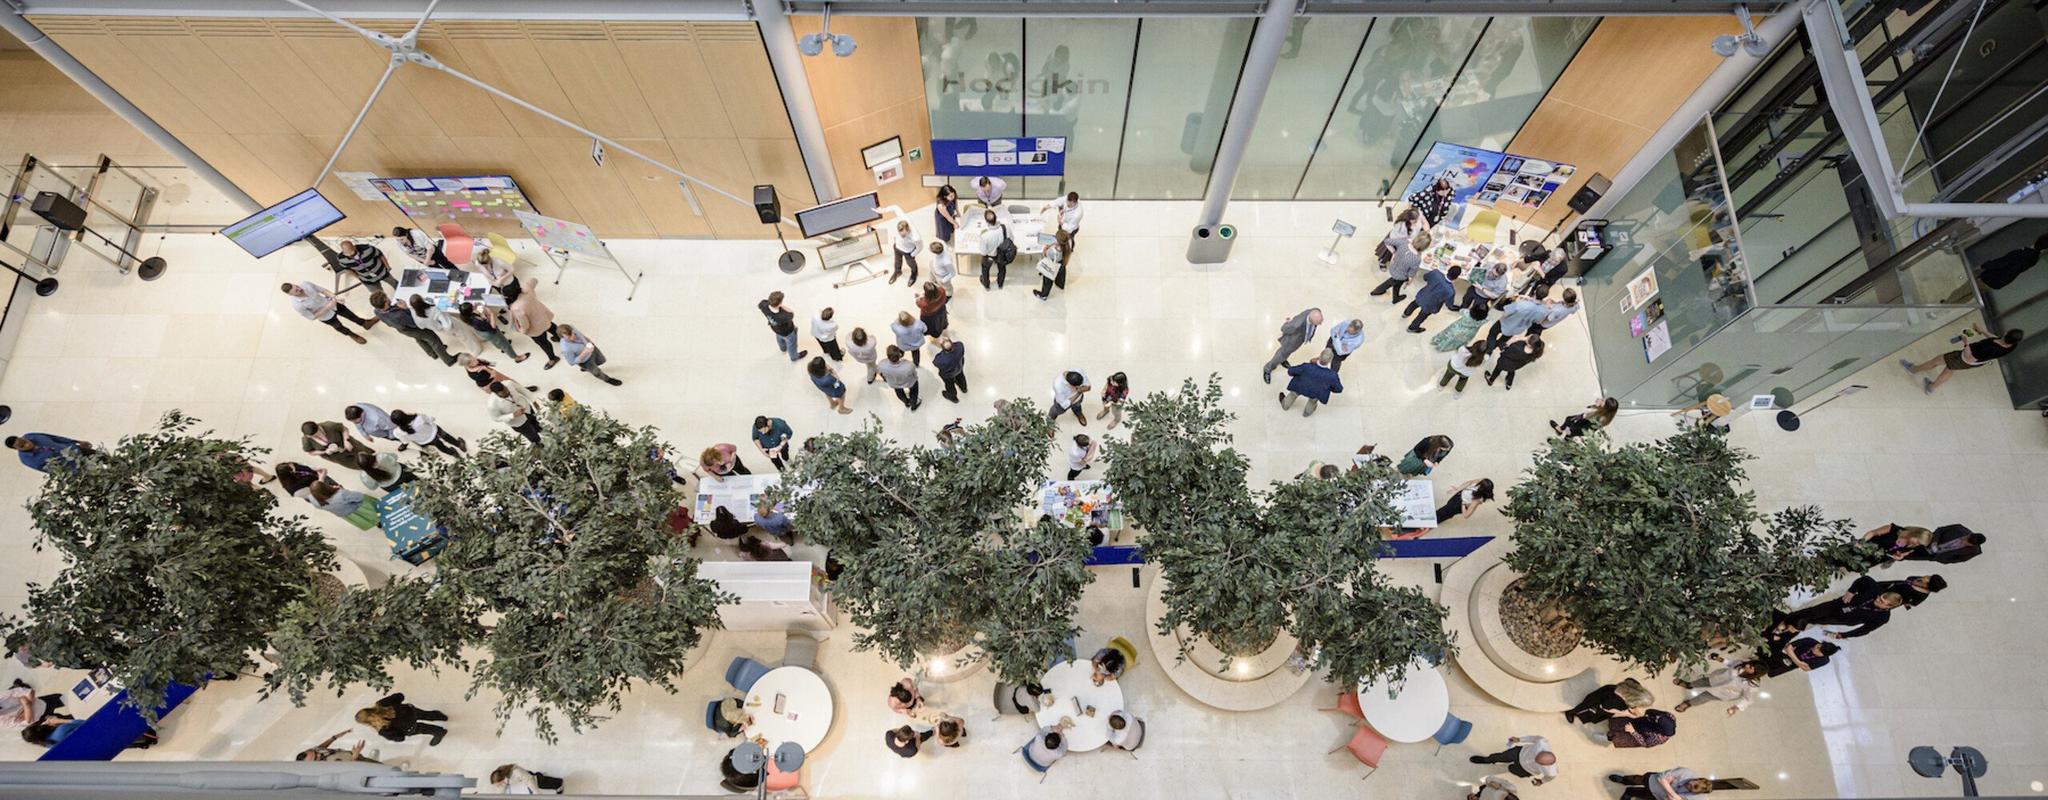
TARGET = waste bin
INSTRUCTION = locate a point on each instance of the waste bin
(1211, 244)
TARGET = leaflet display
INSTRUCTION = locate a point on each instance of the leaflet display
(1524, 181)
(1465, 167)
(1486, 177)
(838, 215)
(269, 230)
(1029, 155)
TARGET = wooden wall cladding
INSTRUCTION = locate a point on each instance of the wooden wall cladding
(1625, 82)
(266, 100)
(865, 98)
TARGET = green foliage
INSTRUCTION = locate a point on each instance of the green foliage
(934, 554)
(565, 544)
(1242, 566)
(173, 569)
(352, 638)
(1655, 552)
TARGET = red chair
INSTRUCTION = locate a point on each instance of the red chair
(458, 247)
(779, 781)
(1347, 702)
(1367, 746)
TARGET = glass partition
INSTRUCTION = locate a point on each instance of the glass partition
(1306, 84)
(1507, 74)
(1402, 73)
(1080, 82)
(1181, 87)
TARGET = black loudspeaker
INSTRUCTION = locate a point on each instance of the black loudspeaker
(55, 209)
(767, 204)
(1583, 199)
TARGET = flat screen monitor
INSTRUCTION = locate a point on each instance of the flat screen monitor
(269, 230)
(837, 215)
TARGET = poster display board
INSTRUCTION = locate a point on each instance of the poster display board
(561, 234)
(480, 204)
(1030, 155)
(1486, 177)
(1467, 168)
(1524, 181)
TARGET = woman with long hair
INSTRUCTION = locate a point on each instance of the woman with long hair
(395, 719)
(946, 214)
(484, 321)
(420, 429)
(1519, 352)
(1464, 500)
(1115, 390)
(1596, 416)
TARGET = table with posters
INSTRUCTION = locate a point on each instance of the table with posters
(1027, 230)
(739, 494)
(1081, 504)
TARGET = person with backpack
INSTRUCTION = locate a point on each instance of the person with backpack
(997, 250)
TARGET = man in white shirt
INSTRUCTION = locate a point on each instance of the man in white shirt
(1069, 209)
(1080, 456)
(990, 191)
(322, 306)
(1526, 757)
(1067, 393)
(826, 332)
(907, 245)
(514, 410)
(991, 239)
(943, 268)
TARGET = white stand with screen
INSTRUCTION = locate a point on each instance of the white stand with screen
(852, 252)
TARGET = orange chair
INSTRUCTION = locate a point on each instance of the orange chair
(779, 781)
(1367, 746)
(459, 247)
(1347, 702)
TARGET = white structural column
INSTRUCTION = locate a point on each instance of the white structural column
(29, 34)
(1259, 61)
(788, 64)
(1721, 83)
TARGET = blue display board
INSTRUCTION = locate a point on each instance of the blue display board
(1466, 167)
(1039, 155)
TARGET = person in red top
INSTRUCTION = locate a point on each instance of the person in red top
(931, 308)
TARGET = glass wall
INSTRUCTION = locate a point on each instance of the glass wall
(1354, 103)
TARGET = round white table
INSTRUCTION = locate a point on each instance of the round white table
(1411, 713)
(1065, 683)
(806, 708)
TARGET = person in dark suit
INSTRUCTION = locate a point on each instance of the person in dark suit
(1312, 382)
(1866, 614)
(1953, 544)
(395, 719)
(1803, 654)
(1295, 332)
(1437, 293)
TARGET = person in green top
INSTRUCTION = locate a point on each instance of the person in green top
(1460, 331)
(771, 435)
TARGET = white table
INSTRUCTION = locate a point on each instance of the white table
(1412, 713)
(739, 494)
(1023, 230)
(806, 708)
(1418, 504)
(1068, 681)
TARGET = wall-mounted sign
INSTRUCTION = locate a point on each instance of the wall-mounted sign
(882, 152)
(1040, 155)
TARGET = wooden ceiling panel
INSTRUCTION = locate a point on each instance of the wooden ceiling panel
(274, 72)
(722, 163)
(350, 67)
(883, 72)
(594, 77)
(295, 159)
(208, 84)
(658, 193)
(458, 108)
(1665, 58)
(777, 161)
(515, 66)
(143, 84)
(677, 86)
(745, 84)
(243, 167)
(599, 192)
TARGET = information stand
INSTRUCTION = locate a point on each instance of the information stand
(564, 241)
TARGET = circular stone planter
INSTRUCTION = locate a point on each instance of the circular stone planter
(1492, 635)
(1471, 590)
(1213, 677)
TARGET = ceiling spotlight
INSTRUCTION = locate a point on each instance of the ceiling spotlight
(1726, 45)
(814, 43)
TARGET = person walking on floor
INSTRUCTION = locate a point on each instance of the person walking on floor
(423, 248)
(421, 429)
(862, 348)
(1596, 416)
(1521, 314)
(950, 361)
(931, 308)
(826, 332)
(1115, 390)
(1067, 393)
(489, 327)
(368, 264)
(1735, 684)
(910, 333)
(995, 245)
(373, 423)
(329, 440)
(1493, 787)
(907, 245)
(1556, 311)
(1425, 456)
(1081, 455)
(1437, 293)
(1526, 757)
(1864, 614)
(771, 437)
(1517, 353)
(1069, 209)
(482, 373)
(829, 383)
(1345, 339)
(514, 411)
(534, 320)
(37, 450)
(582, 353)
(1462, 364)
(944, 267)
(1312, 381)
(1971, 356)
(1052, 266)
(1298, 330)
(1600, 705)
(400, 319)
(322, 306)
(1406, 262)
(782, 323)
(901, 375)
(1464, 500)
(1676, 783)
(395, 719)
(1460, 331)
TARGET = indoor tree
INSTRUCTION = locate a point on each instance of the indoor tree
(564, 547)
(1655, 553)
(174, 570)
(1242, 566)
(933, 554)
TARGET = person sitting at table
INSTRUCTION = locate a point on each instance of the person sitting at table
(732, 779)
(726, 526)
(904, 698)
(1049, 746)
(904, 741)
(732, 716)
(1126, 731)
(1108, 665)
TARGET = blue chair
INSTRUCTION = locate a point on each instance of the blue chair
(716, 722)
(1041, 769)
(1453, 731)
(743, 672)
